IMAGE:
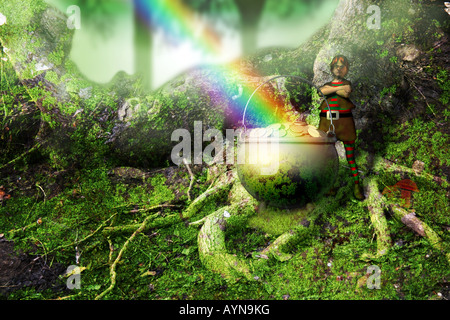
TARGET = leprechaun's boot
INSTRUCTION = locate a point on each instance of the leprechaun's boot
(358, 192)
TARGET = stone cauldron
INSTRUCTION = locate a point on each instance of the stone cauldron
(287, 165)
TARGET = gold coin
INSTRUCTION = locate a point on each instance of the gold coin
(297, 128)
(257, 133)
(279, 133)
(316, 133)
(268, 132)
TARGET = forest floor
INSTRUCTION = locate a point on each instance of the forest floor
(50, 224)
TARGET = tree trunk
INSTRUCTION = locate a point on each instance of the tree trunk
(143, 52)
(250, 15)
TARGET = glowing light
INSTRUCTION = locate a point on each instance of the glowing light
(2, 19)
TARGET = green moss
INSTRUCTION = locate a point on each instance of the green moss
(52, 77)
(19, 13)
(275, 222)
(420, 140)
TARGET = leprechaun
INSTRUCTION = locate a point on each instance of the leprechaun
(337, 93)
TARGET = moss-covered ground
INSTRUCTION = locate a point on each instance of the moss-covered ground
(58, 217)
(164, 263)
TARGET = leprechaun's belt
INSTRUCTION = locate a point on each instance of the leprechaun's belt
(335, 115)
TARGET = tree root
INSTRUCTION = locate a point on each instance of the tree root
(212, 249)
(112, 272)
(192, 178)
(410, 220)
(276, 248)
(378, 219)
(377, 202)
(211, 237)
(160, 222)
(386, 165)
(216, 191)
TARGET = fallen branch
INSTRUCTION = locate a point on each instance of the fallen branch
(13, 161)
(154, 207)
(410, 220)
(127, 228)
(423, 96)
(85, 238)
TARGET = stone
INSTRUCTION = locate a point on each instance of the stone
(408, 52)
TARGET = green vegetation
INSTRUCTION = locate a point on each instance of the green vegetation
(163, 263)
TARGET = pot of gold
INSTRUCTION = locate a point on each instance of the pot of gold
(287, 165)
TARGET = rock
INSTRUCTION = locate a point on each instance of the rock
(267, 57)
(40, 66)
(85, 93)
(340, 149)
(408, 52)
(129, 109)
(418, 167)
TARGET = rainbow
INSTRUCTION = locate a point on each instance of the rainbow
(177, 21)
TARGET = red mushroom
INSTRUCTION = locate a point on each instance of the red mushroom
(407, 186)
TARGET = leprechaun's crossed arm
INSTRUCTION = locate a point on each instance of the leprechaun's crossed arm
(343, 91)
